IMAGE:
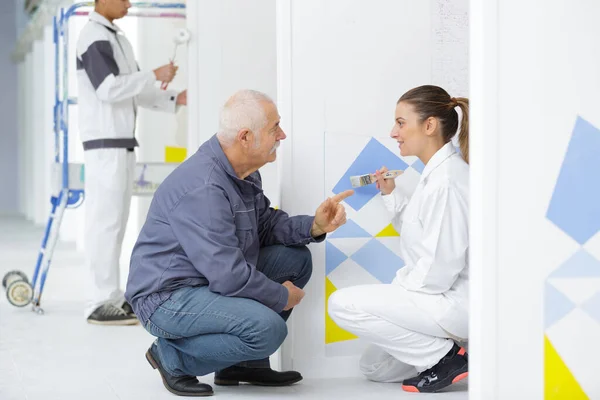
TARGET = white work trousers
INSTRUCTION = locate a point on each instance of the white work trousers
(109, 175)
(404, 339)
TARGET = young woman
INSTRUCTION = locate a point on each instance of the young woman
(414, 323)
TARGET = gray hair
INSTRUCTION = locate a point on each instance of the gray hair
(243, 110)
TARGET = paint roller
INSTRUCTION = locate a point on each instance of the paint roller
(181, 37)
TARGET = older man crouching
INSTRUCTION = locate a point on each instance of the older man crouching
(216, 271)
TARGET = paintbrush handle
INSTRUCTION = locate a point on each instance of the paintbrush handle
(363, 180)
(392, 173)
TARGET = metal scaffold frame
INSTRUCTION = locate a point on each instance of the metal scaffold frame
(68, 183)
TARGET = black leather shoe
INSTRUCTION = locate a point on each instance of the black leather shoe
(256, 376)
(179, 385)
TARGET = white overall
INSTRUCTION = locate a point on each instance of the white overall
(413, 321)
(110, 88)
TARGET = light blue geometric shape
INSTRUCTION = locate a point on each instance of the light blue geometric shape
(580, 265)
(592, 307)
(575, 204)
(333, 257)
(418, 165)
(378, 260)
(349, 230)
(556, 305)
(372, 157)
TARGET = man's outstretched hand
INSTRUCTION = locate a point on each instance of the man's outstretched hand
(330, 215)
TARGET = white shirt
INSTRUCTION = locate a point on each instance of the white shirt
(434, 239)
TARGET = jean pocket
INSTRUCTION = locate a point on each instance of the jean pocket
(158, 332)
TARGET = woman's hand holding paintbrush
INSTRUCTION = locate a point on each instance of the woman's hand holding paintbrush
(386, 186)
(383, 179)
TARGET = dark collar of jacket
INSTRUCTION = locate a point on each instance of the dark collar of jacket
(252, 185)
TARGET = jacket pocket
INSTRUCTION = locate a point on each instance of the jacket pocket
(244, 228)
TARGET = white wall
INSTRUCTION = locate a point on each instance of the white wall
(72, 227)
(234, 47)
(21, 149)
(47, 139)
(31, 114)
(155, 46)
(21, 17)
(543, 78)
(152, 39)
(39, 132)
(345, 64)
(26, 137)
(9, 201)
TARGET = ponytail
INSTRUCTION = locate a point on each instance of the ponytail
(463, 135)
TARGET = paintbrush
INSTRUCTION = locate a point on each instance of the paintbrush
(367, 179)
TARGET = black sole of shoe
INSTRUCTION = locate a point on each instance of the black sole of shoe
(154, 365)
(461, 374)
(230, 382)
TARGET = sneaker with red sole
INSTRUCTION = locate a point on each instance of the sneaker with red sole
(452, 368)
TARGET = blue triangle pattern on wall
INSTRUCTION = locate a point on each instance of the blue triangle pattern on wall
(372, 157)
(333, 257)
(574, 204)
(349, 230)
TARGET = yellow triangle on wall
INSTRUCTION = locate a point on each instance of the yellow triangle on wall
(175, 154)
(559, 382)
(388, 231)
(333, 333)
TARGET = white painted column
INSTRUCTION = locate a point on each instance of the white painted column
(233, 47)
(300, 53)
(536, 219)
(285, 169)
(484, 156)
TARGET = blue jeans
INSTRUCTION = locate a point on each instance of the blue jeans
(200, 332)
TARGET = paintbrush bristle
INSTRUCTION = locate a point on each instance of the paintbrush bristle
(361, 180)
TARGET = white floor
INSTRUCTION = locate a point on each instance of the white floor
(60, 356)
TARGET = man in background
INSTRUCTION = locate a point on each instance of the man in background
(111, 87)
